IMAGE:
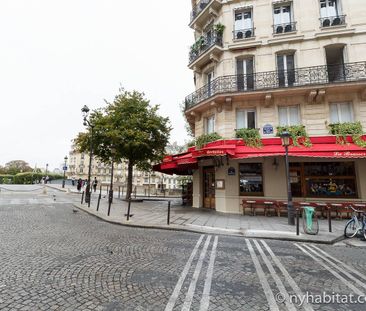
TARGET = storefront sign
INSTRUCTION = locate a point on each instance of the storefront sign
(220, 184)
(231, 171)
(267, 129)
(350, 154)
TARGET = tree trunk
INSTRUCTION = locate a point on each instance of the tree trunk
(129, 179)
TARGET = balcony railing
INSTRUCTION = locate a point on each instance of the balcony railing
(278, 79)
(332, 21)
(203, 44)
(243, 33)
(200, 6)
(284, 28)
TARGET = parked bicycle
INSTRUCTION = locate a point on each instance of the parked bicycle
(356, 225)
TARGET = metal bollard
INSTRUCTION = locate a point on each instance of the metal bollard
(99, 197)
(128, 209)
(329, 219)
(297, 222)
(82, 198)
(168, 219)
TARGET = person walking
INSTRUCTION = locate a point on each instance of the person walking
(95, 184)
(79, 184)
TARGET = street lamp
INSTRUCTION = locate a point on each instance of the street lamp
(85, 110)
(46, 168)
(285, 137)
(65, 167)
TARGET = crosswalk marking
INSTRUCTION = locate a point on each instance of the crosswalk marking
(205, 300)
(289, 279)
(336, 267)
(337, 275)
(192, 286)
(262, 278)
(175, 294)
(273, 273)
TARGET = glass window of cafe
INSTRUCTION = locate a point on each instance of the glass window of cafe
(323, 179)
(251, 179)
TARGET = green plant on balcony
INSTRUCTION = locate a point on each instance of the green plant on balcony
(297, 133)
(251, 137)
(342, 130)
(198, 45)
(204, 139)
(219, 29)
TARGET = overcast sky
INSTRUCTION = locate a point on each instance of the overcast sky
(58, 55)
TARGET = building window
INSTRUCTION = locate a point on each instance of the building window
(245, 118)
(282, 19)
(341, 112)
(245, 73)
(289, 115)
(324, 179)
(330, 13)
(243, 26)
(251, 179)
(210, 124)
(210, 78)
(286, 69)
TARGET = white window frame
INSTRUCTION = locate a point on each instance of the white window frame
(243, 12)
(281, 6)
(327, 9)
(207, 120)
(285, 69)
(288, 123)
(339, 111)
(246, 117)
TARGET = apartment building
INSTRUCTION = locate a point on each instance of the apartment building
(274, 66)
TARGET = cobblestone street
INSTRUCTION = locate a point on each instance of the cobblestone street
(54, 257)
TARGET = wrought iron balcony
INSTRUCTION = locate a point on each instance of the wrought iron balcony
(243, 33)
(203, 44)
(278, 79)
(332, 21)
(199, 8)
(284, 28)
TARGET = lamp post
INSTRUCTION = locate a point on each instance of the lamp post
(285, 137)
(46, 169)
(63, 181)
(85, 110)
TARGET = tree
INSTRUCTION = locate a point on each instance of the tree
(17, 166)
(128, 129)
(174, 148)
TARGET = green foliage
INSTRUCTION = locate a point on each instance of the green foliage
(342, 130)
(26, 178)
(198, 45)
(202, 140)
(16, 166)
(251, 137)
(6, 179)
(297, 133)
(219, 29)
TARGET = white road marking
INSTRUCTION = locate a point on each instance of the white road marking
(192, 287)
(349, 268)
(339, 277)
(337, 267)
(262, 278)
(173, 298)
(288, 277)
(205, 300)
(278, 281)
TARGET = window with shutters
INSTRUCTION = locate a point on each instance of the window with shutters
(210, 124)
(243, 25)
(245, 118)
(245, 73)
(286, 69)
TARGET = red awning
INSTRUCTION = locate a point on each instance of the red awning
(322, 147)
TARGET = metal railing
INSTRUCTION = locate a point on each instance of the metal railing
(198, 8)
(206, 43)
(243, 33)
(284, 28)
(315, 75)
(332, 21)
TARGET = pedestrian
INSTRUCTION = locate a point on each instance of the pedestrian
(47, 179)
(73, 181)
(79, 184)
(95, 184)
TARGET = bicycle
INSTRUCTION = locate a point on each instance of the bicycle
(356, 225)
(310, 222)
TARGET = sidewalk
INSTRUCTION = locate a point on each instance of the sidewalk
(153, 214)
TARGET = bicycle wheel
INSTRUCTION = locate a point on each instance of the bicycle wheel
(351, 229)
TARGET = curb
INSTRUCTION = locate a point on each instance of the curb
(217, 231)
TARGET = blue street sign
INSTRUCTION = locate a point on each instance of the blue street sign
(65, 168)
